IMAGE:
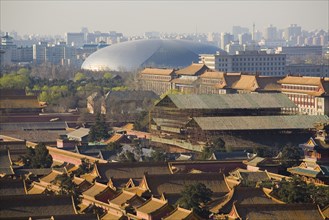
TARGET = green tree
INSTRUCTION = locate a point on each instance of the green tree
(66, 184)
(206, 153)
(23, 71)
(79, 77)
(127, 157)
(196, 196)
(294, 191)
(114, 146)
(84, 167)
(107, 75)
(14, 81)
(158, 155)
(38, 157)
(291, 155)
(99, 130)
(218, 144)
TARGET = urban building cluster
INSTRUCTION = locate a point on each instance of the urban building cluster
(72, 49)
(310, 94)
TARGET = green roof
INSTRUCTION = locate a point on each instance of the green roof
(260, 122)
(231, 101)
(305, 172)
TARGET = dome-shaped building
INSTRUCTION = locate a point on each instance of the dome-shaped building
(132, 55)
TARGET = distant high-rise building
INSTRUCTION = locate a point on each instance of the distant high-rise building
(292, 32)
(270, 33)
(236, 30)
(60, 53)
(245, 38)
(75, 39)
(225, 39)
(233, 47)
(39, 52)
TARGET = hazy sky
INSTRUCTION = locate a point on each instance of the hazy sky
(136, 17)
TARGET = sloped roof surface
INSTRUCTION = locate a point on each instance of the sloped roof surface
(35, 205)
(244, 195)
(10, 186)
(279, 211)
(230, 101)
(194, 69)
(122, 170)
(156, 71)
(79, 133)
(175, 183)
(131, 95)
(19, 102)
(260, 122)
(181, 213)
(152, 205)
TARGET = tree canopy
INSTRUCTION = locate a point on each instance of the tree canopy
(100, 130)
(196, 196)
(298, 191)
(84, 167)
(291, 155)
(38, 157)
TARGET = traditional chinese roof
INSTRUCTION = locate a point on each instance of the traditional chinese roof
(79, 133)
(125, 197)
(254, 83)
(255, 161)
(310, 169)
(122, 170)
(5, 163)
(19, 102)
(153, 206)
(322, 83)
(115, 138)
(195, 69)
(234, 155)
(228, 101)
(205, 166)
(51, 176)
(156, 71)
(37, 172)
(213, 75)
(130, 95)
(112, 216)
(36, 188)
(241, 195)
(96, 189)
(175, 183)
(35, 206)
(9, 186)
(183, 214)
(277, 211)
(275, 122)
(250, 176)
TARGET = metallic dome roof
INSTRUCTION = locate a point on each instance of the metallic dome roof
(132, 55)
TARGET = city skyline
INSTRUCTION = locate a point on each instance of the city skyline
(137, 17)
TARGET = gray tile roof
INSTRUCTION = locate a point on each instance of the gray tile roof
(231, 101)
(260, 122)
